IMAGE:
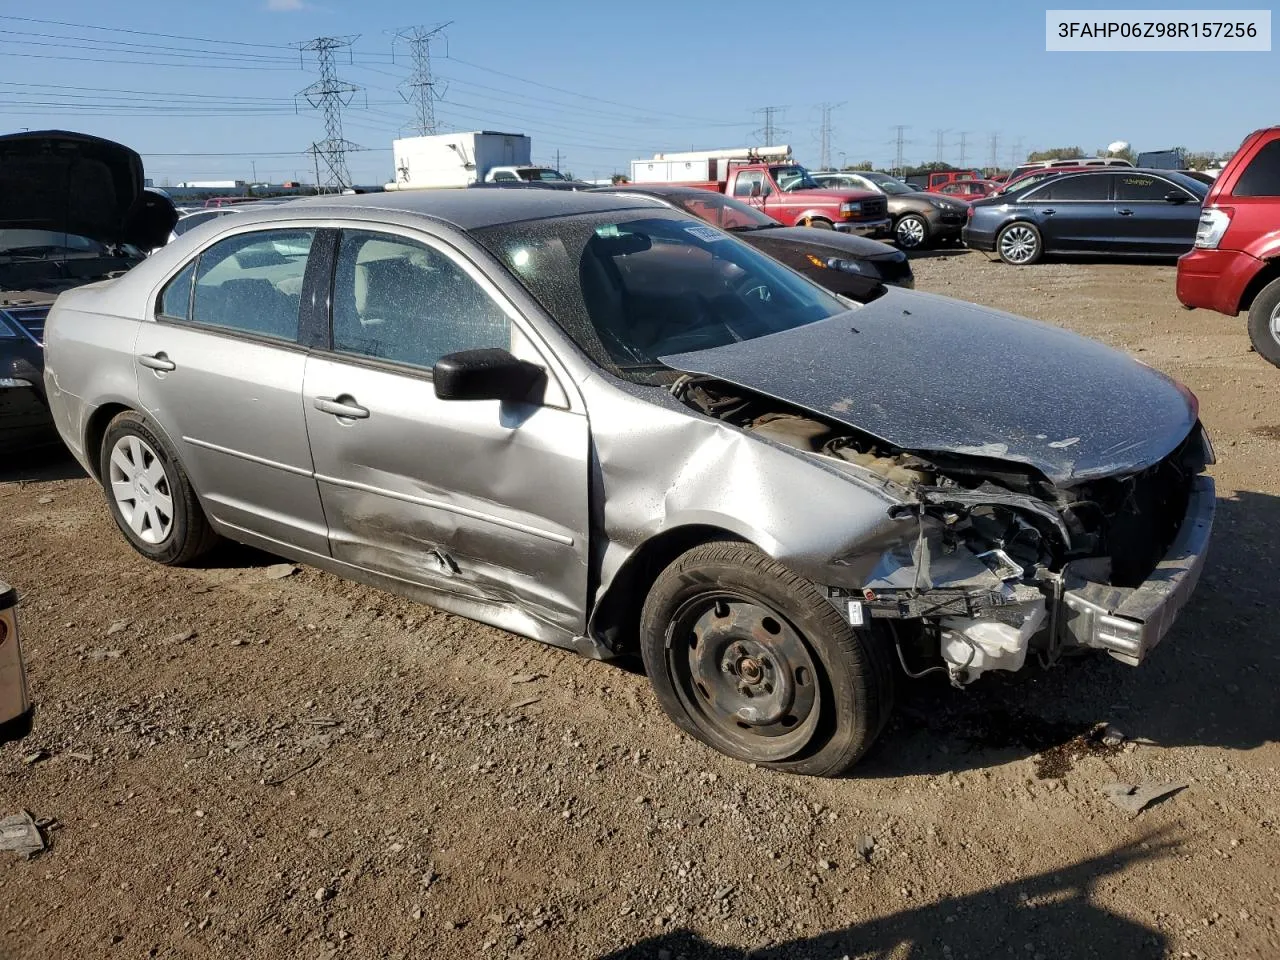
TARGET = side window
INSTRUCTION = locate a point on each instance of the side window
(1140, 186)
(504, 175)
(175, 300)
(747, 184)
(399, 300)
(253, 283)
(1074, 188)
(1262, 177)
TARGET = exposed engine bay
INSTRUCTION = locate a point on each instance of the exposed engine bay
(976, 582)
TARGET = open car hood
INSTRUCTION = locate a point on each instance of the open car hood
(930, 374)
(83, 185)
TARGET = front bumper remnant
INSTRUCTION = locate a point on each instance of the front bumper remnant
(866, 228)
(1128, 622)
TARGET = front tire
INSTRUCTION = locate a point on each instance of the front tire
(819, 224)
(751, 659)
(1264, 323)
(912, 232)
(1020, 244)
(149, 495)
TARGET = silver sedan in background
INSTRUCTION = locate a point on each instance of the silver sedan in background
(599, 422)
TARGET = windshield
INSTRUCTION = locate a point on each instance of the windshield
(793, 177)
(540, 173)
(890, 185)
(631, 286)
(724, 212)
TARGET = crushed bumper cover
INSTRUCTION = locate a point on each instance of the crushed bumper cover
(1128, 622)
(866, 228)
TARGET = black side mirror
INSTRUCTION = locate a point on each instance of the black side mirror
(755, 189)
(1175, 196)
(488, 374)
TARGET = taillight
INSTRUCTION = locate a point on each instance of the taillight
(970, 213)
(1213, 225)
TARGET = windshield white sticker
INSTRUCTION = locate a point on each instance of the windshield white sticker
(704, 233)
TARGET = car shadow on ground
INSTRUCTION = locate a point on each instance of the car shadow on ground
(1047, 915)
(933, 253)
(1211, 682)
(42, 461)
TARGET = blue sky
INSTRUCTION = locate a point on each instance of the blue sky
(603, 85)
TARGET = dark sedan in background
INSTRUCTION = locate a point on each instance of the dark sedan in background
(851, 266)
(920, 218)
(1114, 211)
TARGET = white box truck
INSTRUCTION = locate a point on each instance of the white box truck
(455, 159)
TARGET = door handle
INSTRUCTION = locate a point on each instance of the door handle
(1126, 212)
(157, 361)
(344, 407)
(1049, 211)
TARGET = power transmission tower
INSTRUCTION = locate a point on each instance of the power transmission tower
(559, 157)
(1014, 152)
(824, 136)
(964, 136)
(770, 130)
(419, 90)
(899, 164)
(941, 135)
(330, 95)
(995, 152)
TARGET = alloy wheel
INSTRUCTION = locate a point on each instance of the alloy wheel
(1273, 323)
(141, 489)
(910, 232)
(1019, 244)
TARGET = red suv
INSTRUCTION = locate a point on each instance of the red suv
(1235, 264)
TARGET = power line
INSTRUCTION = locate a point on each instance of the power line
(422, 94)
(995, 152)
(941, 135)
(964, 136)
(142, 33)
(770, 130)
(330, 95)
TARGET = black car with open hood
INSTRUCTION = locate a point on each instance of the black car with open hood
(73, 209)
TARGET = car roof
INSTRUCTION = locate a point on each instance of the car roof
(655, 189)
(465, 209)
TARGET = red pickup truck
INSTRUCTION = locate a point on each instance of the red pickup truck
(1235, 263)
(786, 192)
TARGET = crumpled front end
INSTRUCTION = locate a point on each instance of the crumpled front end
(986, 575)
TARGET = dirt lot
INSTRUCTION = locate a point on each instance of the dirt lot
(242, 766)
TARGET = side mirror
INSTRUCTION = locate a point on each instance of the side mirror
(488, 374)
(755, 189)
(1175, 196)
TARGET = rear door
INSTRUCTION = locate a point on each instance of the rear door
(220, 369)
(1154, 215)
(1074, 212)
(480, 499)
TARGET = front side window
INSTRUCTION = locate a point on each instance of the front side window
(630, 287)
(398, 300)
(1141, 186)
(252, 283)
(748, 184)
(1262, 177)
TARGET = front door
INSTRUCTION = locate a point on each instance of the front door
(1148, 221)
(220, 370)
(482, 499)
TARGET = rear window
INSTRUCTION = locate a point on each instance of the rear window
(1262, 177)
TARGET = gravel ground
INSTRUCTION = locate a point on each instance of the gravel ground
(237, 764)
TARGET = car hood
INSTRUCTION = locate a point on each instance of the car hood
(931, 374)
(75, 183)
(831, 242)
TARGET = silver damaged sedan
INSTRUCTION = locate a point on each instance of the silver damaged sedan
(598, 422)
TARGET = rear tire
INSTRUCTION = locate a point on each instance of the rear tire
(1264, 323)
(752, 659)
(149, 495)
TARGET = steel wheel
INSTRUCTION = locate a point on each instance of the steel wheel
(141, 489)
(912, 232)
(745, 673)
(1019, 244)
